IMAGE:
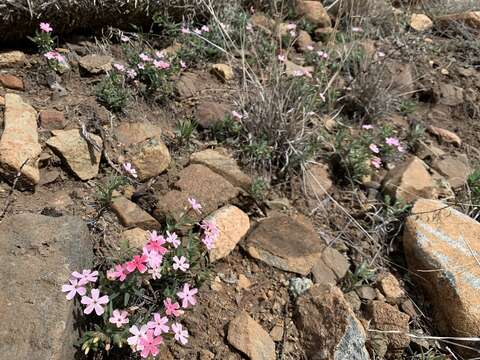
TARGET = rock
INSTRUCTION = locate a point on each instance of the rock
(134, 133)
(52, 119)
(292, 69)
(190, 84)
(223, 164)
(439, 244)
(400, 78)
(298, 286)
(197, 181)
(353, 300)
(136, 238)
(366, 292)
(209, 113)
(19, 142)
(469, 18)
(39, 253)
(277, 332)
(428, 151)
(448, 94)
(131, 215)
(420, 22)
(445, 135)
(150, 158)
(290, 244)
(385, 317)
(316, 311)
(454, 168)
(11, 82)
(317, 180)
(95, 64)
(314, 12)
(391, 288)
(233, 224)
(2, 102)
(323, 34)
(262, 22)
(330, 268)
(304, 41)
(409, 181)
(12, 58)
(243, 282)
(247, 336)
(223, 71)
(79, 155)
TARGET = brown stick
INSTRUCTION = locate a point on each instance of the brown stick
(8, 200)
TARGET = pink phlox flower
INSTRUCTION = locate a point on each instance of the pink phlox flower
(130, 169)
(237, 115)
(73, 288)
(131, 74)
(134, 341)
(205, 28)
(180, 263)
(249, 27)
(149, 344)
(322, 54)
(94, 302)
(154, 259)
(281, 58)
(159, 324)
(118, 273)
(46, 27)
(124, 38)
(50, 55)
(197, 31)
(357, 29)
(119, 67)
(60, 58)
(185, 30)
(86, 276)
(156, 242)
(376, 162)
(310, 48)
(171, 308)
(400, 148)
(210, 233)
(160, 54)
(392, 141)
(183, 65)
(181, 335)
(195, 205)
(291, 26)
(119, 318)
(138, 263)
(187, 295)
(367, 127)
(173, 239)
(141, 66)
(160, 64)
(145, 57)
(155, 272)
(374, 148)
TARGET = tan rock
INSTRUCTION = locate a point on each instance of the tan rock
(131, 215)
(445, 135)
(314, 12)
(277, 332)
(81, 157)
(409, 181)
(223, 164)
(317, 180)
(304, 41)
(135, 133)
(469, 18)
(292, 69)
(19, 141)
(135, 238)
(324, 34)
(420, 22)
(287, 243)
(233, 224)
(330, 268)
(262, 22)
(12, 58)
(223, 71)
(448, 94)
(209, 113)
(95, 64)
(150, 159)
(316, 311)
(440, 243)
(400, 78)
(428, 151)
(2, 101)
(247, 336)
(13, 82)
(454, 168)
(52, 119)
(243, 282)
(391, 288)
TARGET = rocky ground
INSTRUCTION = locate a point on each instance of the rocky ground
(313, 265)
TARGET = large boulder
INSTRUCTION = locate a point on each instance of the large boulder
(150, 158)
(442, 247)
(38, 254)
(328, 327)
(19, 144)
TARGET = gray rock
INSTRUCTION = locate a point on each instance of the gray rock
(95, 64)
(298, 286)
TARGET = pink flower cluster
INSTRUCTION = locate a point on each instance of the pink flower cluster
(204, 29)
(158, 61)
(45, 27)
(210, 233)
(54, 55)
(374, 148)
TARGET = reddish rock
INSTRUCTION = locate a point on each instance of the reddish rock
(150, 158)
(11, 82)
(52, 119)
(134, 133)
(391, 288)
(314, 12)
(445, 135)
(209, 113)
(131, 215)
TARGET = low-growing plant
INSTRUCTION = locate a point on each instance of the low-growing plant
(112, 91)
(363, 274)
(259, 188)
(185, 129)
(44, 41)
(104, 193)
(416, 132)
(407, 107)
(138, 302)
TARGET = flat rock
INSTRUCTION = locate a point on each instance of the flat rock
(135, 238)
(292, 69)
(190, 84)
(223, 71)
(52, 119)
(233, 224)
(134, 133)
(290, 244)
(82, 158)
(454, 168)
(262, 22)
(442, 245)
(223, 164)
(19, 141)
(330, 268)
(95, 64)
(38, 254)
(13, 82)
(313, 12)
(445, 135)
(409, 181)
(12, 58)
(209, 113)
(247, 336)
(401, 78)
(197, 181)
(469, 18)
(150, 158)
(420, 22)
(321, 307)
(448, 94)
(131, 215)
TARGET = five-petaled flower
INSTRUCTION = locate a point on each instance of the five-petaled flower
(94, 302)
(374, 148)
(367, 127)
(46, 27)
(195, 205)
(376, 162)
(154, 259)
(392, 141)
(156, 243)
(148, 344)
(171, 308)
(172, 238)
(158, 324)
(187, 295)
(137, 333)
(119, 318)
(119, 67)
(237, 115)
(181, 335)
(86, 276)
(130, 169)
(119, 272)
(138, 263)
(73, 288)
(180, 263)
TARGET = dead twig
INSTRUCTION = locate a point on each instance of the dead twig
(8, 200)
